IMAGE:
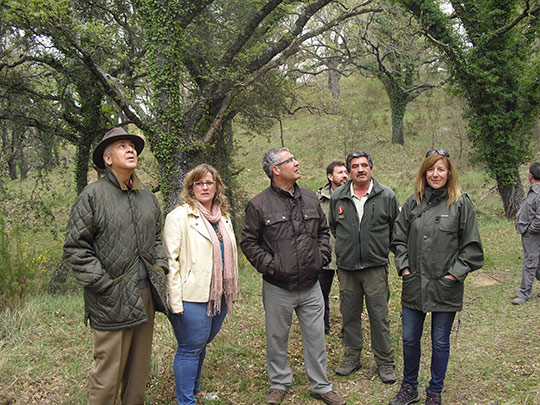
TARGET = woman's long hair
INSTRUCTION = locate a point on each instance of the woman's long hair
(197, 173)
(452, 183)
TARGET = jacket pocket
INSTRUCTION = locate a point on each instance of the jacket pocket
(276, 226)
(311, 220)
(109, 307)
(117, 280)
(410, 292)
(447, 234)
(447, 292)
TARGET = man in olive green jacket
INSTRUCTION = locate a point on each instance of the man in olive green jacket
(361, 217)
(336, 173)
(113, 246)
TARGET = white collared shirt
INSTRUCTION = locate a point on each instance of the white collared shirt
(359, 202)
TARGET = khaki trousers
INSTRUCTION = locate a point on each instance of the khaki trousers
(122, 359)
(371, 283)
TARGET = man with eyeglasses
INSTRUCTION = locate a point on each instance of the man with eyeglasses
(286, 238)
(361, 217)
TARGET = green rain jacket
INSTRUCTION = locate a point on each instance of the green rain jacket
(361, 247)
(443, 240)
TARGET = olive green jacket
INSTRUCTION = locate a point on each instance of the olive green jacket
(325, 194)
(443, 240)
(365, 245)
(110, 230)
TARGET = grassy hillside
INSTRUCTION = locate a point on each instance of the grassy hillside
(45, 350)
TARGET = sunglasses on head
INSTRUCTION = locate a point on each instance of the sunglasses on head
(441, 152)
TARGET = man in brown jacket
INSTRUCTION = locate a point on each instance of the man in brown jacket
(285, 237)
(113, 246)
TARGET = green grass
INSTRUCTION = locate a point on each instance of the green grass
(46, 351)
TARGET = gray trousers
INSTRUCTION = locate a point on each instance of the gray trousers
(371, 283)
(531, 269)
(279, 305)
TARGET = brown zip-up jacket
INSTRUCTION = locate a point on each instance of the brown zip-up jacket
(286, 237)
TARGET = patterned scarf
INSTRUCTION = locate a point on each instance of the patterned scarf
(223, 277)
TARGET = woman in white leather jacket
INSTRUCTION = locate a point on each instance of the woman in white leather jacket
(201, 249)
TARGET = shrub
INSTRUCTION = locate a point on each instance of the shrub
(18, 267)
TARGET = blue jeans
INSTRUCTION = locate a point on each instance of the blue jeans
(441, 326)
(193, 330)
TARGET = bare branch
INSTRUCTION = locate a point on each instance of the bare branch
(287, 47)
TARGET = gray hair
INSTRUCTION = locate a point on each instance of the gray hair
(107, 151)
(270, 159)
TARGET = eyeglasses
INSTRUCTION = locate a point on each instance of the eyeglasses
(289, 160)
(208, 183)
(441, 152)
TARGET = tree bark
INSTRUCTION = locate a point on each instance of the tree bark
(511, 196)
(23, 166)
(397, 125)
(12, 167)
(398, 104)
(81, 162)
(333, 85)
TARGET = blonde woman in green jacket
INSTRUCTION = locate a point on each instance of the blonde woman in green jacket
(436, 244)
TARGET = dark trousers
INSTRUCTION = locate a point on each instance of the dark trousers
(325, 280)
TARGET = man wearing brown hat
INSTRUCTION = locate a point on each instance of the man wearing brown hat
(114, 247)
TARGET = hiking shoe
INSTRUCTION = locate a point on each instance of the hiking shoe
(201, 397)
(433, 398)
(275, 396)
(387, 373)
(408, 394)
(330, 397)
(519, 301)
(348, 366)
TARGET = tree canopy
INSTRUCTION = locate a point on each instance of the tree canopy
(491, 50)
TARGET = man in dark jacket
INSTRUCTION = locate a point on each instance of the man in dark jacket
(285, 237)
(114, 247)
(528, 226)
(361, 217)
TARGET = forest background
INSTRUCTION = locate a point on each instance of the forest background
(319, 77)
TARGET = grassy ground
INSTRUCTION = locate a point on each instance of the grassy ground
(45, 350)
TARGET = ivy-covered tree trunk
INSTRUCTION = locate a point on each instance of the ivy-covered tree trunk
(333, 85)
(91, 128)
(81, 163)
(398, 112)
(512, 195)
(398, 104)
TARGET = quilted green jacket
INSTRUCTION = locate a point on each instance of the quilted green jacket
(111, 229)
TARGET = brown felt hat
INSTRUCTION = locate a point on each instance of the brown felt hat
(112, 136)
